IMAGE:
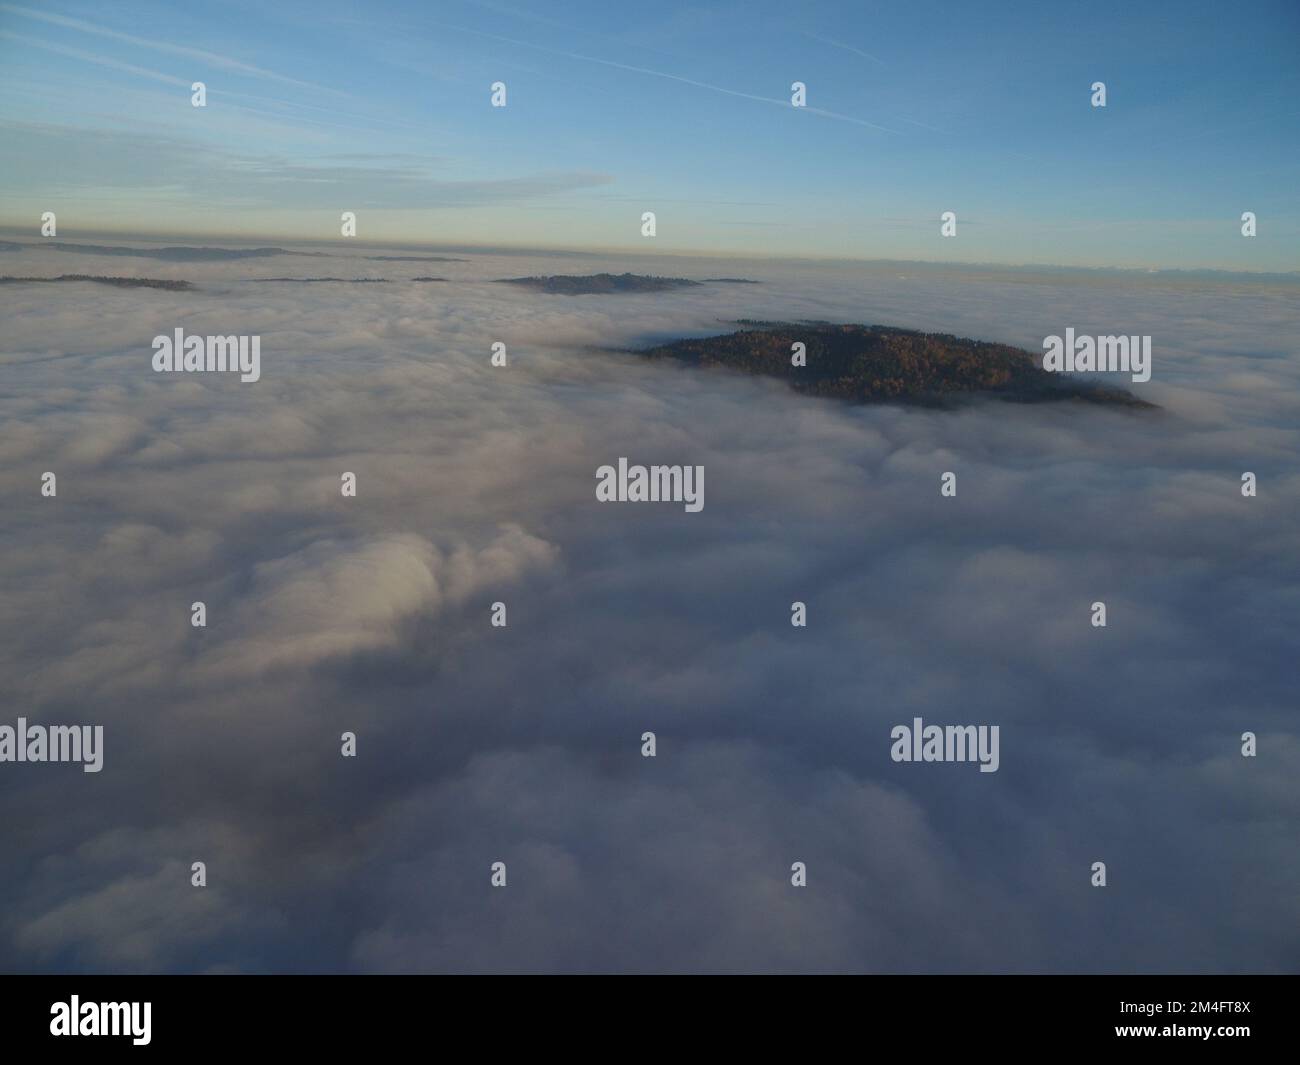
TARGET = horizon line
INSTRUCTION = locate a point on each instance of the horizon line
(157, 236)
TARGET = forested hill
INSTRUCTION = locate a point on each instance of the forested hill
(875, 364)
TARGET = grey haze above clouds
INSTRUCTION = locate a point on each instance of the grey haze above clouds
(476, 744)
(176, 169)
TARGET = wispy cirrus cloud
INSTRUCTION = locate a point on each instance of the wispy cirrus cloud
(212, 59)
(91, 57)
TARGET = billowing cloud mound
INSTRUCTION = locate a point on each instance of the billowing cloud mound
(479, 743)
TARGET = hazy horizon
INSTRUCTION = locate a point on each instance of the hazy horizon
(347, 248)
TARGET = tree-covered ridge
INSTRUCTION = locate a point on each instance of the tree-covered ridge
(873, 364)
(119, 282)
(576, 285)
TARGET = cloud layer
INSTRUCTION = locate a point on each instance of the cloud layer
(522, 744)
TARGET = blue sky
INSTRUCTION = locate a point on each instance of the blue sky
(913, 109)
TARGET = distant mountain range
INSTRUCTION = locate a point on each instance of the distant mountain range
(879, 364)
(197, 254)
(565, 284)
(594, 284)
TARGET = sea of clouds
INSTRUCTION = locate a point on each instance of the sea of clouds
(478, 744)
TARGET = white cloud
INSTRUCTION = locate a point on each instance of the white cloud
(477, 484)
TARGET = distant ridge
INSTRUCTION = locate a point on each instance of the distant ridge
(119, 282)
(171, 255)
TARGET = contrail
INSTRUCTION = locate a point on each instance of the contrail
(846, 47)
(672, 77)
